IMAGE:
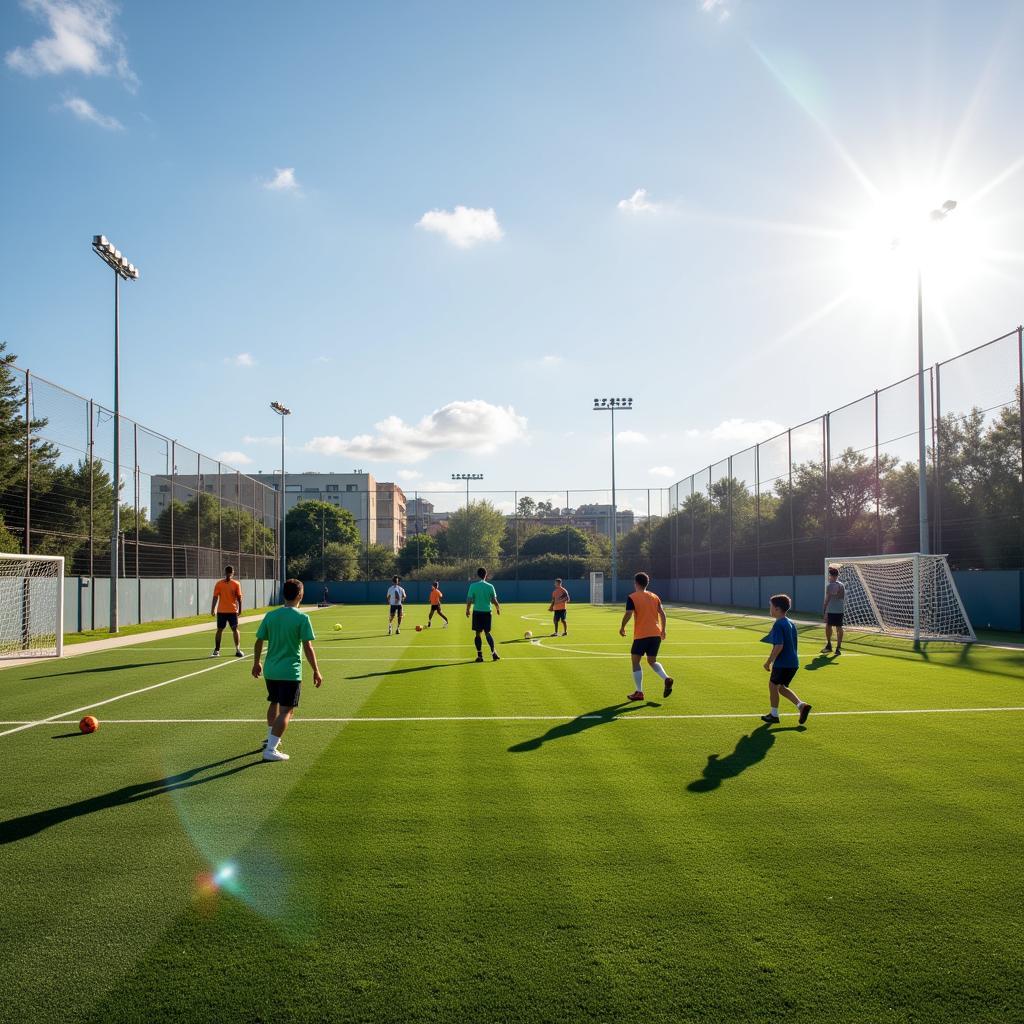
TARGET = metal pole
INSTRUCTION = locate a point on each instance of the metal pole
(469, 556)
(568, 536)
(732, 553)
(1020, 419)
(323, 543)
(826, 447)
(922, 454)
(284, 516)
(757, 518)
(174, 554)
(92, 481)
(792, 521)
(115, 528)
(936, 379)
(515, 499)
(200, 494)
(27, 543)
(878, 487)
(615, 523)
(138, 577)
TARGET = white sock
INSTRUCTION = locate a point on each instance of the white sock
(659, 669)
(270, 734)
(774, 712)
(273, 742)
(638, 679)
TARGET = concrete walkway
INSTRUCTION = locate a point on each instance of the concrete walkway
(92, 646)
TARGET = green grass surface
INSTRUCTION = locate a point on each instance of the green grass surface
(553, 854)
(150, 627)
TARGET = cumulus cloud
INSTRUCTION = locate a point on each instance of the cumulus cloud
(718, 9)
(284, 180)
(631, 437)
(469, 426)
(409, 475)
(243, 359)
(85, 111)
(551, 361)
(235, 458)
(271, 439)
(464, 226)
(639, 202)
(665, 471)
(740, 431)
(82, 37)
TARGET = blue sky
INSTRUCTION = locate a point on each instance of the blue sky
(691, 203)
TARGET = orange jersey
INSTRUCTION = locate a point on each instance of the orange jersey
(435, 595)
(559, 598)
(645, 607)
(228, 594)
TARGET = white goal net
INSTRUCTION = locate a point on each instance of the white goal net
(31, 606)
(597, 588)
(909, 595)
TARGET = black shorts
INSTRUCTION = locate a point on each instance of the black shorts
(646, 646)
(834, 618)
(396, 609)
(435, 608)
(782, 676)
(482, 622)
(559, 615)
(227, 619)
(284, 692)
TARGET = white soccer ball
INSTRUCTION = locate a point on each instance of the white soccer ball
(529, 634)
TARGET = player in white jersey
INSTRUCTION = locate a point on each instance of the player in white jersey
(396, 601)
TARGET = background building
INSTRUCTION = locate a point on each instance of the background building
(391, 515)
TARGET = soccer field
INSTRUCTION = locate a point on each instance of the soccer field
(513, 842)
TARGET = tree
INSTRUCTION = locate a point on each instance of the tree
(527, 507)
(555, 540)
(420, 549)
(312, 525)
(378, 562)
(336, 562)
(475, 533)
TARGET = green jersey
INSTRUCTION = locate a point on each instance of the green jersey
(481, 594)
(285, 628)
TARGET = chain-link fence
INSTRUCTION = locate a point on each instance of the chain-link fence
(183, 516)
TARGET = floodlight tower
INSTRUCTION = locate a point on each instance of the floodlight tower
(123, 271)
(611, 405)
(282, 529)
(467, 477)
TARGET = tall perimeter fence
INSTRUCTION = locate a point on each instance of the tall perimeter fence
(183, 515)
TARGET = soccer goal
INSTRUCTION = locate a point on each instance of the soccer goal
(31, 606)
(910, 596)
(597, 588)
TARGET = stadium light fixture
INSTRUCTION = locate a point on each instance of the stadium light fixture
(467, 477)
(282, 411)
(123, 271)
(612, 405)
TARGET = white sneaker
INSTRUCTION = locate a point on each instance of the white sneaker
(239, 653)
(389, 631)
(274, 755)
(397, 631)
(215, 654)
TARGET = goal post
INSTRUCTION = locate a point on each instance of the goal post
(31, 606)
(909, 595)
(597, 588)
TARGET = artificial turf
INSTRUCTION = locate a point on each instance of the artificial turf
(549, 853)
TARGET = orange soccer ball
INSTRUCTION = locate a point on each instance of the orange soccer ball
(89, 724)
(419, 629)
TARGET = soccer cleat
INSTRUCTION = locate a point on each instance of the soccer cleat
(770, 719)
(805, 710)
(554, 634)
(275, 755)
(389, 631)
(479, 657)
(639, 695)
(397, 631)
(668, 687)
(215, 654)
(839, 651)
(239, 653)
(494, 656)
(827, 649)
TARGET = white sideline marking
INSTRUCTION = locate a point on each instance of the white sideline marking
(516, 718)
(58, 718)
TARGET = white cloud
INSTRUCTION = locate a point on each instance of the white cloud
(440, 485)
(272, 439)
(665, 471)
(551, 361)
(464, 226)
(235, 458)
(639, 202)
(82, 38)
(716, 8)
(745, 432)
(631, 437)
(243, 359)
(284, 180)
(469, 426)
(85, 111)
(409, 474)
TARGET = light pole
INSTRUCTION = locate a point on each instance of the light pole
(123, 271)
(610, 405)
(922, 448)
(467, 477)
(282, 529)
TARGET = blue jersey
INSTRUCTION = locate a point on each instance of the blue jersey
(784, 632)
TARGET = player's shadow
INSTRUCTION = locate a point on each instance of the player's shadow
(95, 670)
(581, 723)
(749, 750)
(29, 824)
(411, 668)
(821, 661)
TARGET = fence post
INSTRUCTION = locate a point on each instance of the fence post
(732, 554)
(90, 443)
(27, 544)
(515, 499)
(138, 577)
(757, 519)
(693, 534)
(1020, 417)
(937, 454)
(878, 488)
(826, 448)
(792, 520)
(174, 559)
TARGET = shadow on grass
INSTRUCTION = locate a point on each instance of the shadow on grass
(820, 661)
(120, 668)
(750, 750)
(29, 824)
(581, 723)
(412, 668)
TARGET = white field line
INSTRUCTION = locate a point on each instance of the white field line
(523, 718)
(580, 656)
(110, 700)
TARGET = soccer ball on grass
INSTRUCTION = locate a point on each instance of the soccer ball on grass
(337, 627)
(529, 634)
(89, 724)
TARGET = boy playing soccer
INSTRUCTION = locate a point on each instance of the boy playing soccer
(648, 632)
(833, 608)
(291, 635)
(396, 600)
(783, 662)
(435, 604)
(559, 599)
(480, 597)
(227, 605)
